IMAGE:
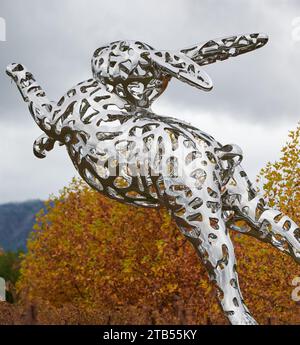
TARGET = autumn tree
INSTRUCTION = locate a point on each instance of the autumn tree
(282, 178)
(131, 263)
(10, 271)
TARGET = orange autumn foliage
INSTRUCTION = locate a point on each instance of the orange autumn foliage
(120, 264)
(282, 178)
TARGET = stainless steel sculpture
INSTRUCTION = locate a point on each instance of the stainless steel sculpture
(125, 151)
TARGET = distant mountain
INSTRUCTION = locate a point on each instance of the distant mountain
(16, 222)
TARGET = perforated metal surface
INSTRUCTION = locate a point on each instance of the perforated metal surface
(125, 151)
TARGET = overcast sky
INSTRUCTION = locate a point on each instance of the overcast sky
(255, 100)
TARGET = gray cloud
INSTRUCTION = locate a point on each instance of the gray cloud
(56, 40)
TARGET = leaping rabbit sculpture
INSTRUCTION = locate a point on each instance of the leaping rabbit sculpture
(125, 151)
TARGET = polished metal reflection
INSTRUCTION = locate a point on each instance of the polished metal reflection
(125, 151)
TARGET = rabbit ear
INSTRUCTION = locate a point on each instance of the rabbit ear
(180, 66)
(223, 48)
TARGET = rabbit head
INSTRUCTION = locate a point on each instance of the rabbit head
(138, 73)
